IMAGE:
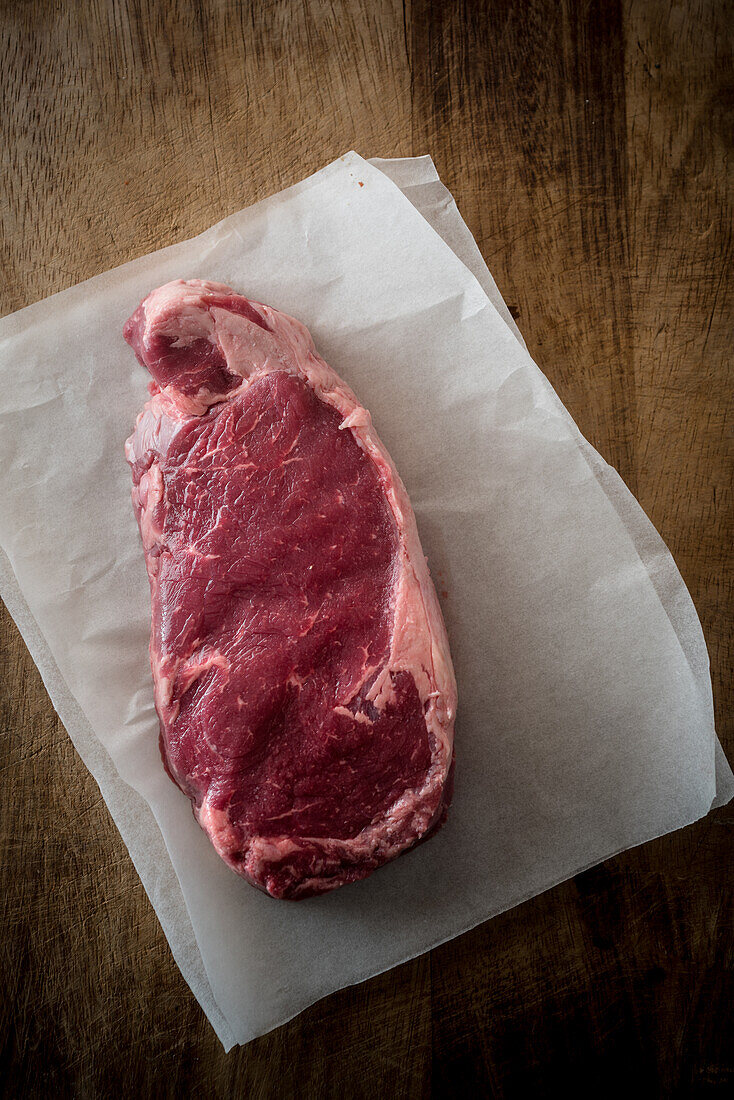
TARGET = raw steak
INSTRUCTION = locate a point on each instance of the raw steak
(300, 662)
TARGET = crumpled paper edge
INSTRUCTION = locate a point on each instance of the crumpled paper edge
(670, 588)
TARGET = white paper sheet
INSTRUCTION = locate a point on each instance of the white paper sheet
(585, 721)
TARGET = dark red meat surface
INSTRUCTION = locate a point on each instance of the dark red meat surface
(273, 555)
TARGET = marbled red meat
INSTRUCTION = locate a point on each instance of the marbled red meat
(301, 669)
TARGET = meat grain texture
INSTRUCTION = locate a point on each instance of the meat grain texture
(300, 662)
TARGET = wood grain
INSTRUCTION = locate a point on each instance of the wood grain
(589, 146)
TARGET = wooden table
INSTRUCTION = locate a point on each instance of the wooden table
(587, 145)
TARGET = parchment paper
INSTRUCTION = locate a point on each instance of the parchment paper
(585, 722)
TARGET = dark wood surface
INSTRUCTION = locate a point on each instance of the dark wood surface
(589, 147)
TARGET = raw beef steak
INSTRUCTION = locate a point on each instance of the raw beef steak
(300, 662)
